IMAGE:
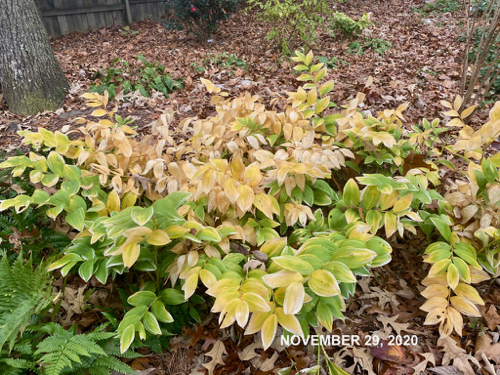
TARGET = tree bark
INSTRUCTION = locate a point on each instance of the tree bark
(31, 78)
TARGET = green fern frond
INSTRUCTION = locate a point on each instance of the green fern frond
(107, 364)
(66, 352)
(23, 292)
(15, 364)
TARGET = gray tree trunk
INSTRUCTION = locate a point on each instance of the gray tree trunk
(32, 79)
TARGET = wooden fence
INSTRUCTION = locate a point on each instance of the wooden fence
(63, 16)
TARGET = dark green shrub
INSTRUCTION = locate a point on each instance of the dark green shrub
(199, 16)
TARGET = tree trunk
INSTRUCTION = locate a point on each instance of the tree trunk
(32, 79)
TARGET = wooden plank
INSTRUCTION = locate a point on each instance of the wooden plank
(127, 12)
(144, 1)
(90, 16)
(83, 17)
(47, 22)
(70, 12)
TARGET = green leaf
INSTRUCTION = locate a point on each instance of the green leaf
(160, 312)
(351, 193)
(463, 269)
(442, 227)
(76, 219)
(141, 215)
(324, 315)
(142, 298)
(173, 297)
(127, 338)
(323, 283)
(291, 263)
(56, 163)
(86, 270)
(72, 173)
(151, 324)
(209, 234)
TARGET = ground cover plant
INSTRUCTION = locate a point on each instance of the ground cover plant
(144, 77)
(256, 212)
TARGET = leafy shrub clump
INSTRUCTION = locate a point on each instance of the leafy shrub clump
(293, 22)
(144, 77)
(221, 61)
(199, 16)
(378, 45)
(349, 27)
(268, 216)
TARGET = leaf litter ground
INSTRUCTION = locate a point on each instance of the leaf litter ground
(422, 68)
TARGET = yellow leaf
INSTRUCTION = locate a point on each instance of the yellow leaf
(176, 231)
(321, 105)
(99, 112)
(464, 306)
(455, 319)
(207, 278)
(246, 198)
(113, 204)
(257, 321)
(495, 112)
(458, 102)
(242, 313)
(434, 303)
(269, 330)
(467, 112)
(294, 298)
(211, 88)
(452, 276)
(323, 283)
(91, 96)
(451, 113)
(282, 278)
(469, 293)
(190, 285)
(255, 302)
(312, 96)
(435, 290)
(223, 299)
(446, 104)
(390, 223)
(125, 148)
(309, 58)
(158, 237)
(288, 321)
(252, 175)
(264, 203)
(130, 253)
(228, 314)
(231, 189)
(403, 203)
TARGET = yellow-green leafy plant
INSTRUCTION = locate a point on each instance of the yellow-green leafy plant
(293, 22)
(250, 205)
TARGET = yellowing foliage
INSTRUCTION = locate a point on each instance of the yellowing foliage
(254, 205)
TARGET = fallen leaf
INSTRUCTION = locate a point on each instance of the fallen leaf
(391, 353)
(490, 315)
(484, 345)
(422, 365)
(216, 353)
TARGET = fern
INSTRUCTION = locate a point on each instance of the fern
(23, 292)
(65, 352)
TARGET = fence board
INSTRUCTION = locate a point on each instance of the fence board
(64, 16)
